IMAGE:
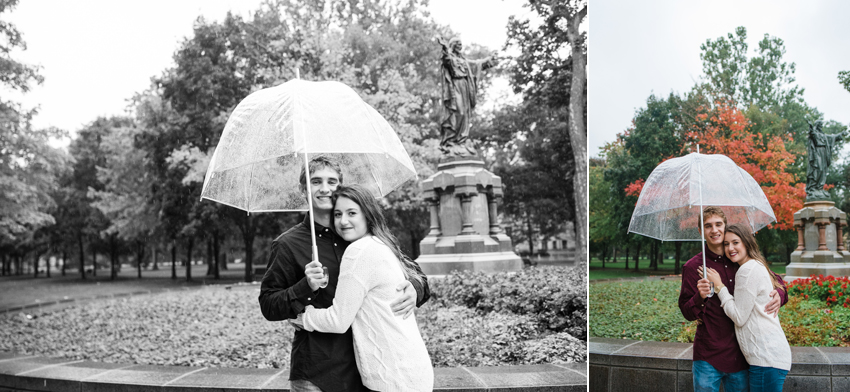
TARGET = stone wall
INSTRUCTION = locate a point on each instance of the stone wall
(33, 373)
(636, 366)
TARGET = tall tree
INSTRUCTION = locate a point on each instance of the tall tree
(28, 166)
(125, 199)
(546, 75)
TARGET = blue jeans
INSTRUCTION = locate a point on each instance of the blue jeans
(766, 379)
(708, 379)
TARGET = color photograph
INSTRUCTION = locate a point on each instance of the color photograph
(718, 185)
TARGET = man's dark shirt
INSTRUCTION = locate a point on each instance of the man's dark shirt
(325, 359)
(715, 340)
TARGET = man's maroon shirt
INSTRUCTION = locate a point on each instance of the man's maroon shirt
(715, 340)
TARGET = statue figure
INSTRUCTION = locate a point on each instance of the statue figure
(819, 149)
(460, 87)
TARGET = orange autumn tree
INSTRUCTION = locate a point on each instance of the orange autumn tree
(723, 129)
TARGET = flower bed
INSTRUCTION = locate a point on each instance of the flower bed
(829, 289)
(649, 311)
(224, 328)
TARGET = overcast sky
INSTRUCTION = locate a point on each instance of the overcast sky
(96, 54)
(638, 48)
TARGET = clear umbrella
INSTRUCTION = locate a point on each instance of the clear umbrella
(272, 133)
(671, 202)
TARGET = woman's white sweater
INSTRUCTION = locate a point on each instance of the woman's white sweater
(759, 334)
(390, 353)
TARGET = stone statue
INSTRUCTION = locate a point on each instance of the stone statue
(460, 87)
(819, 149)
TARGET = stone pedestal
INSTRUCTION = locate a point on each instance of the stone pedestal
(465, 230)
(820, 243)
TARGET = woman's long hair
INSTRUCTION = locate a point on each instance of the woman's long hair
(752, 248)
(376, 224)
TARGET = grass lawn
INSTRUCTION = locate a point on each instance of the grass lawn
(648, 310)
(617, 270)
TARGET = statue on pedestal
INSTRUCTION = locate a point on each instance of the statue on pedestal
(460, 87)
(819, 149)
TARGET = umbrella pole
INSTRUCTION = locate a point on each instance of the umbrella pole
(702, 225)
(310, 207)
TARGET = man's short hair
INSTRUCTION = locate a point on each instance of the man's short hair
(318, 163)
(710, 211)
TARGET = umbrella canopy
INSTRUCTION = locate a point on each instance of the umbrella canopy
(258, 161)
(670, 204)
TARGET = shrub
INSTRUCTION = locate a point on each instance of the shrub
(830, 289)
(555, 296)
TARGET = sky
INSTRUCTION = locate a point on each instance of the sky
(639, 48)
(95, 54)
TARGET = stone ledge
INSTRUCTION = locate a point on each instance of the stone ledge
(658, 366)
(34, 373)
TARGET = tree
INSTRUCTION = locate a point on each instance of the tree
(763, 80)
(844, 79)
(28, 166)
(549, 77)
(528, 146)
(125, 198)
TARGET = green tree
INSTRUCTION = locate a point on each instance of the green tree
(764, 80)
(844, 79)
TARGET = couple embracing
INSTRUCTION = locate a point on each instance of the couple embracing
(352, 306)
(738, 341)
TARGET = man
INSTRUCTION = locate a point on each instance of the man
(319, 361)
(717, 357)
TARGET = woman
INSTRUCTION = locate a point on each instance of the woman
(389, 350)
(759, 334)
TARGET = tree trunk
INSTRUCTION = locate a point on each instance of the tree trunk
(576, 124)
(35, 265)
(189, 259)
(82, 255)
(208, 257)
(678, 257)
(637, 257)
(113, 253)
(155, 254)
(47, 266)
(628, 250)
(64, 260)
(173, 260)
(140, 255)
(530, 235)
(93, 262)
(614, 257)
(216, 272)
(654, 257)
(248, 226)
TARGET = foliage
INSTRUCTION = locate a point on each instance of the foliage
(528, 147)
(645, 310)
(28, 166)
(809, 322)
(844, 79)
(648, 310)
(555, 297)
(550, 77)
(218, 327)
(724, 129)
(830, 289)
(763, 80)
